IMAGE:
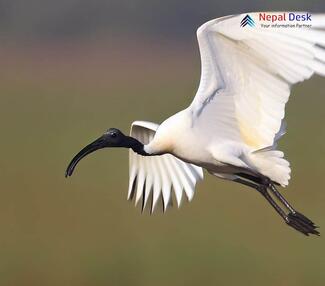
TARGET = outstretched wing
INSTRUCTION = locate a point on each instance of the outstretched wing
(247, 73)
(154, 177)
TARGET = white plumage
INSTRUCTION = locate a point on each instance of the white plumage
(232, 126)
(159, 174)
(237, 114)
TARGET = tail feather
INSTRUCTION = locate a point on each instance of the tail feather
(271, 163)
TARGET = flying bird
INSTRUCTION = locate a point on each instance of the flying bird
(234, 122)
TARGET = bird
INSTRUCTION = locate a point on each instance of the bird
(232, 126)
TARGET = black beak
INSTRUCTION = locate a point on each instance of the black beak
(99, 143)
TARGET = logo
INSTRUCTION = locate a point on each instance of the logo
(247, 20)
(284, 20)
(285, 16)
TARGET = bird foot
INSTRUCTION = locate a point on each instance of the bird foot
(301, 223)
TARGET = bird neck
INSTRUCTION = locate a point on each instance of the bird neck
(137, 146)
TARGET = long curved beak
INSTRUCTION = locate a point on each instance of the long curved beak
(97, 144)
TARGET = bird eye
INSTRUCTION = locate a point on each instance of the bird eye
(113, 134)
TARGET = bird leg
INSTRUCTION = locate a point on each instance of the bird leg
(263, 191)
(281, 198)
(293, 218)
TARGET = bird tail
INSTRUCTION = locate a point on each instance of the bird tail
(271, 163)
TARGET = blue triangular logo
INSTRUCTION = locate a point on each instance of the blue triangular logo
(247, 20)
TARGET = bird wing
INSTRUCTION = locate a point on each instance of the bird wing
(246, 75)
(154, 177)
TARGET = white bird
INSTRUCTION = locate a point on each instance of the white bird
(232, 126)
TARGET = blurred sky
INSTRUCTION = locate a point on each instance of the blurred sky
(70, 70)
(75, 18)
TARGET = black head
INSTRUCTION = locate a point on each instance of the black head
(111, 138)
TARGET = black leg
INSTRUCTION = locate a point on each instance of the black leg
(263, 191)
(267, 196)
(294, 219)
(281, 198)
(292, 212)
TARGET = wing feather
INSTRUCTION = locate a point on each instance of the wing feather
(157, 176)
(254, 68)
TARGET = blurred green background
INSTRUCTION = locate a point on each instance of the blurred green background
(70, 70)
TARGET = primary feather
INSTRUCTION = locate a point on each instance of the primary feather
(237, 115)
(157, 176)
(255, 69)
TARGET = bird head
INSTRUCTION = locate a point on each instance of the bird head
(111, 138)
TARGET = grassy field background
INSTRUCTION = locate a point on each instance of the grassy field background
(57, 97)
